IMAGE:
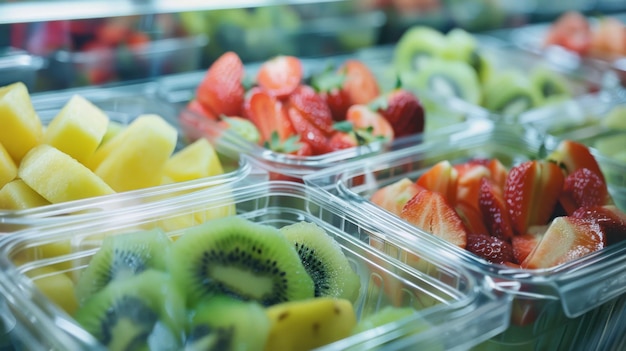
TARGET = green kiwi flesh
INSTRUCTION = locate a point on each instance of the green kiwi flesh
(323, 260)
(121, 256)
(446, 79)
(460, 45)
(222, 323)
(239, 258)
(549, 83)
(415, 45)
(127, 313)
(510, 93)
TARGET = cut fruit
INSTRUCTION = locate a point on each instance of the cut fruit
(416, 45)
(113, 129)
(77, 129)
(239, 258)
(510, 93)
(491, 248)
(8, 169)
(609, 218)
(616, 118)
(21, 128)
(549, 83)
(197, 160)
(611, 145)
(572, 155)
(524, 244)
(56, 286)
(280, 76)
(583, 188)
(59, 178)
(17, 195)
(494, 211)
(394, 196)
(306, 325)
(442, 178)
(472, 218)
(469, 177)
(460, 46)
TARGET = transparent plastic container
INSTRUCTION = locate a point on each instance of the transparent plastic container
(460, 308)
(19, 66)
(575, 306)
(122, 104)
(440, 120)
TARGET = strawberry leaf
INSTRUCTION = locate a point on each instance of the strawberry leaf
(343, 126)
(380, 103)
(289, 145)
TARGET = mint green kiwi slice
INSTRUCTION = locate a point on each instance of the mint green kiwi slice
(415, 45)
(510, 93)
(239, 258)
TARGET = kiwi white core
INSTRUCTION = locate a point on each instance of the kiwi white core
(239, 280)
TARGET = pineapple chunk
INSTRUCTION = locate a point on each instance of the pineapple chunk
(8, 169)
(138, 155)
(21, 128)
(56, 286)
(17, 195)
(113, 129)
(197, 160)
(58, 177)
(77, 129)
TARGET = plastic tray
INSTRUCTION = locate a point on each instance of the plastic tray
(19, 66)
(440, 121)
(122, 104)
(575, 306)
(462, 310)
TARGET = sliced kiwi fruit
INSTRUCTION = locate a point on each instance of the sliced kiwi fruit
(121, 256)
(460, 46)
(445, 78)
(133, 313)
(415, 45)
(549, 83)
(222, 323)
(510, 93)
(324, 261)
(239, 258)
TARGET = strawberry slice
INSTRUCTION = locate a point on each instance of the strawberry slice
(491, 248)
(468, 184)
(609, 218)
(431, 212)
(221, 90)
(280, 76)
(268, 115)
(493, 209)
(524, 244)
(566, 239)
(308, 132)
(369, 124)
(531, 192)
(313, 108)
(497, 171)
(360, 83)
(583, 188)
(196, 107)
(342, 140)
(403, 110)
(471, 217)
(394, 196)
(572, 155)
(442, 178)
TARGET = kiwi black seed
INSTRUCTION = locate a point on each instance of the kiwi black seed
(239, 258)
(324, 261)
(127, 313)
(222, 323)
(416, 45)
(121, 256)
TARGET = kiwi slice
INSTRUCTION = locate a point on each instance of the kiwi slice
(460, 46)
(445, 78)
(222, 323)
(133, 313)
(121, 256)
(549, 83)
(415, 45)
(511, 93)
(239, 258)
(323, 260)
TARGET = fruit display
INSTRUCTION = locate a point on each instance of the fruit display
(272, 277)
(81, 153)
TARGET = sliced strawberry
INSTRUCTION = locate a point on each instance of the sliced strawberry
(199, 109)
(221, 90)
(394, 196)
(572, 155)
(403, 110)
(583, 188)
(609, 218)
(531, 192)
(431, 212)
(280, 75)
(524, 244)
(268, 115)
(308, 132)
(370, 124)
(329, 84)
(360, 83)
(498, 172)
(342, 140)
(493, 209)
(313, 108)
(471, 217)
(566, 239)
(442, 178)
(491, 248)
(468, 185)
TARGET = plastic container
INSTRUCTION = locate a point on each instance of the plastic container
(575, 306)
(598, 121)
(461, 309)
(122, 104)
(19, 66)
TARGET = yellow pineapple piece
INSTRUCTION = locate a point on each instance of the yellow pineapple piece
(197, 160)
(77, 129)
(21, 128)
(8, 169)
(17, 195)
(56, 286)
(113, 129)
(58, 177)
(137, 159)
